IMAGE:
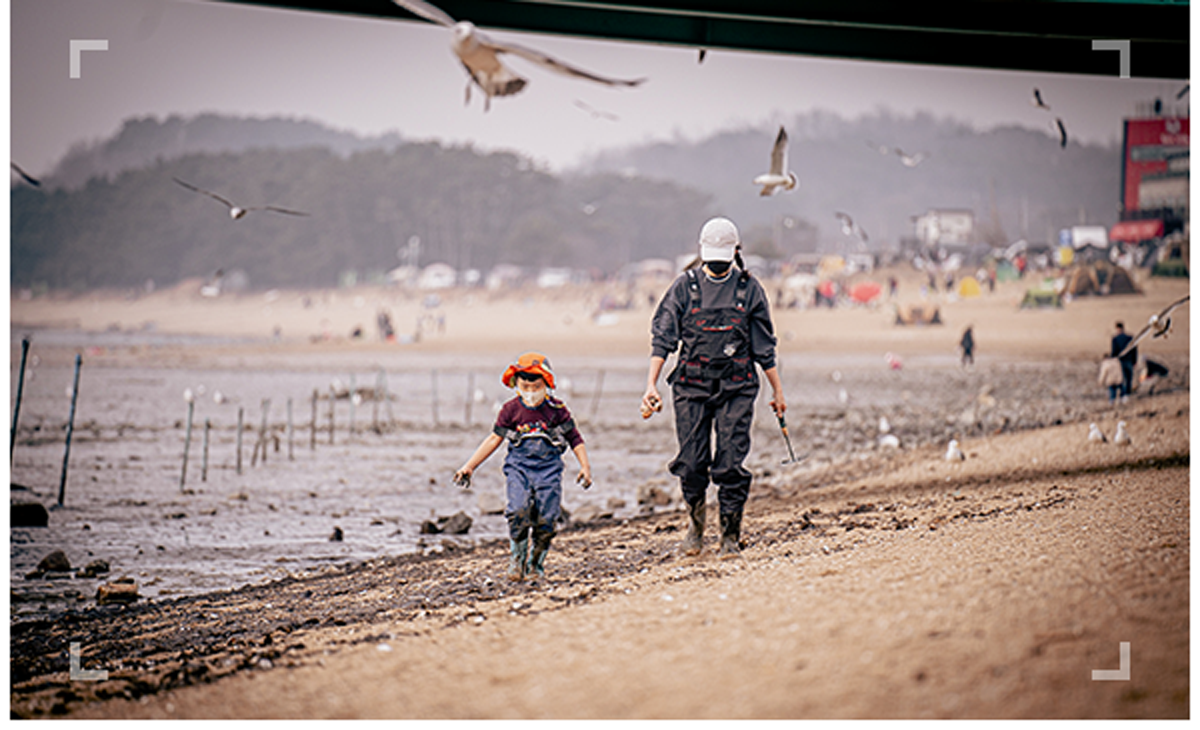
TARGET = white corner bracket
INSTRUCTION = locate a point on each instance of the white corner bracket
(1115, 675)
(78, 47)
(1120, 46)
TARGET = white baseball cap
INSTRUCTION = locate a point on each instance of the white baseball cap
(718, 240)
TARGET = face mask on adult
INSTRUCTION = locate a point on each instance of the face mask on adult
(718, 268)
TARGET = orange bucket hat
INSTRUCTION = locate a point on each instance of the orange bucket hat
(530, 362)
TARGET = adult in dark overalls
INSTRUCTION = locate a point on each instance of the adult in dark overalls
(1119, 341)
(719, 319)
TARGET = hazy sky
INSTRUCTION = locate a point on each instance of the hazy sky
(372, 76)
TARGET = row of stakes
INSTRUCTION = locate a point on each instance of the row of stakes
(264, 436)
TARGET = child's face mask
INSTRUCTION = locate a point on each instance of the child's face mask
(532, 394)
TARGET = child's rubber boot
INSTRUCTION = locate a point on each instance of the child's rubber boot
(537, 560)
(517, 559)
(731, 535)
(693, 542)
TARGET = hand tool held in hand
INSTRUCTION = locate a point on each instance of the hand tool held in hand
(791, 454)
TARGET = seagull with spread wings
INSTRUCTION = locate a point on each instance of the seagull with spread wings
(235, 211)
(1037, 100)
(480, 55)
(850, 228)
(1062, 132)
(779, 176)
(1158, 326)
(909, 160)
(24, 175)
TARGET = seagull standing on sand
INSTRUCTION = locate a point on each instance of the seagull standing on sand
(480, 55)
(1095, 435)
(237, 212)
(953, 453)
(1159, 325)
(1122, 436)
(779, 176)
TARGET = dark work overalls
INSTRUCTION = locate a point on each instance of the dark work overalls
(714, 387)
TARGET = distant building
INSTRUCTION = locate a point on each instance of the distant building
(943, 227)
(1154, 177)
(437, 276)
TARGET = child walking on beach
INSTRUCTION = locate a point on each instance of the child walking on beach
(538, 428)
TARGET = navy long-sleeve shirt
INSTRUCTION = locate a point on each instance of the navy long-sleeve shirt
(666, 326)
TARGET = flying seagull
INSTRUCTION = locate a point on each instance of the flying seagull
(1037, 100)
(850, 228)
(1062, 132)
(598, 113)
(779, 176)
(910, 160)
(1158, 326)
(880, 148)
(236, 212)
(24, 175)
(481, 56)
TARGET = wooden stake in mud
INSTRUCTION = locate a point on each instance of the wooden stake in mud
(352, 391)
(262, 431)
(62, 484)
(433, 393)
(241, 414)
(470, 397)
(204, 454)
(332, 400)
(187, 437)
(597, 392)
(289, 429)
(312, 436)
(12, 439)
(386, 395)
(375, 402)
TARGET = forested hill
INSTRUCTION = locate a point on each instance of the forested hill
(110, 215)
(1019, 181)
(468, 210)
(142, 141)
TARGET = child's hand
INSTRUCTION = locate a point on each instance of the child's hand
(585, 477)
(462, 477)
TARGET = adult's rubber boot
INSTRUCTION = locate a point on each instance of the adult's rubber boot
(518, 558)
(537, 560)
(731, 534)
(693, 543)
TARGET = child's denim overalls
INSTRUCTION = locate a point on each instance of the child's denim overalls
(533, 469)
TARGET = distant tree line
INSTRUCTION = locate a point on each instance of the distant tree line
(468, 209)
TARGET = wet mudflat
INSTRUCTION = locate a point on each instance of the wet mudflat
(238, 573)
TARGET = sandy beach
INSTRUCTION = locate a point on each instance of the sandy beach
(875, 583)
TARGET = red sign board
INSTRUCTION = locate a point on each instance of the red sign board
(1148, 144)
(1135, 231)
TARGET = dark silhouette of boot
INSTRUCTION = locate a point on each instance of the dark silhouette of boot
(693, 542)
(731, 534)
